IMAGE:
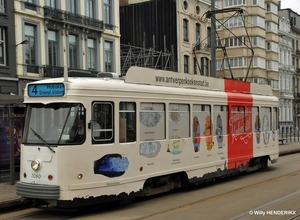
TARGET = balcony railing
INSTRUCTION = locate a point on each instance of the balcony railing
(32, 68)
(203, 47)
(298, 52)
(109, 26)
(53, 13)
(53, 71)
(30, 6)
(93, 22)
(297, 95)
(297, 70)
(72, 17)
(56, 71)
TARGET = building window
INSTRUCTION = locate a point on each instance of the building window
(107, 14)
(73, 52)
(185, 30)
(258, 41)
(259, 81)
(274, 84)
(205, 66)
(30, 48)
(2, 6)
(219, 64)
(197, 9)
(234, 22)
(31, 5)
(185, 5)
(91, 54)
(258, 21)
(2, 47)
(259, 62)
(260, 3)
(236, 62)
(51, 3)
(272, 27)
(198, 36)
(272, 46)
(72, 7)
(272, 65)
(208, 37)
(229, 3)
(186, 64)
(271, 7)
(90, 8)
(52, 48)
(195, 65)
(234, 42)
(108, 56)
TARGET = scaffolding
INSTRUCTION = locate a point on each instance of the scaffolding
(139, 56)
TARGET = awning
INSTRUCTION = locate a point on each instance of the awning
(11, 99)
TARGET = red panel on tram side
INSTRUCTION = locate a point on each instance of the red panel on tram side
(240, 140)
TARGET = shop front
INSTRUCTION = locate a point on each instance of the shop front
(12, 118)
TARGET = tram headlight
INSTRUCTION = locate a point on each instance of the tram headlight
(35, 165)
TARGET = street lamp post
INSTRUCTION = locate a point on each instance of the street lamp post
(11, 129)
(23, 42)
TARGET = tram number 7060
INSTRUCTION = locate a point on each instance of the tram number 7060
(36, 176)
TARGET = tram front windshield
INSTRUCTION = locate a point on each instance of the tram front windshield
(54, 124)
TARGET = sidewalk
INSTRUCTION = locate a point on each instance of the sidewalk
(8, 195)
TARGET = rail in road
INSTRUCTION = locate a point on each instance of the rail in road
(268, 194)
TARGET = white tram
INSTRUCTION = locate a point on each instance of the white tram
(95, 140)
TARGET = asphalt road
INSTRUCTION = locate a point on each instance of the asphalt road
(273, 193)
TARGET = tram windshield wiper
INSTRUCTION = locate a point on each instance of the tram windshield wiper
(42, 139)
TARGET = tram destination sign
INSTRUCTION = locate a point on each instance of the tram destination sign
(46, 90)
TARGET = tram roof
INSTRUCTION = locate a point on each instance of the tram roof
(162, 78)
(147, 76)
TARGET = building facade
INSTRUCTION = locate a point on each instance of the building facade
(183, 31)
(81, 34)
(294, 19)
(286, 73)
(251, 41)
(38, 39)
(8, 79)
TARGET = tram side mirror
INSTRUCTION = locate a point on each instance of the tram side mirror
(90, 125)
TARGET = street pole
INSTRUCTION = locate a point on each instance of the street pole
(11, 143)
(213, 44)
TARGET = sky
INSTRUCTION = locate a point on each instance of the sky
(292, 4)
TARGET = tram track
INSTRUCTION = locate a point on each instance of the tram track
(235, 191)
(288, 161)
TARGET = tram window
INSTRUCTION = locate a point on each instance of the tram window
(248, 119)
(202, 123)
(55, 123)
(179, 121)
(152, 121)
(256, 123)
(275, 119)
(266, 121)
(220, 117)
(127, 123)
(237, 120)
(102, 122)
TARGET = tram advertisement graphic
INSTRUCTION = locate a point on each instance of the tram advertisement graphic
(111, 165)
(240, 139)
